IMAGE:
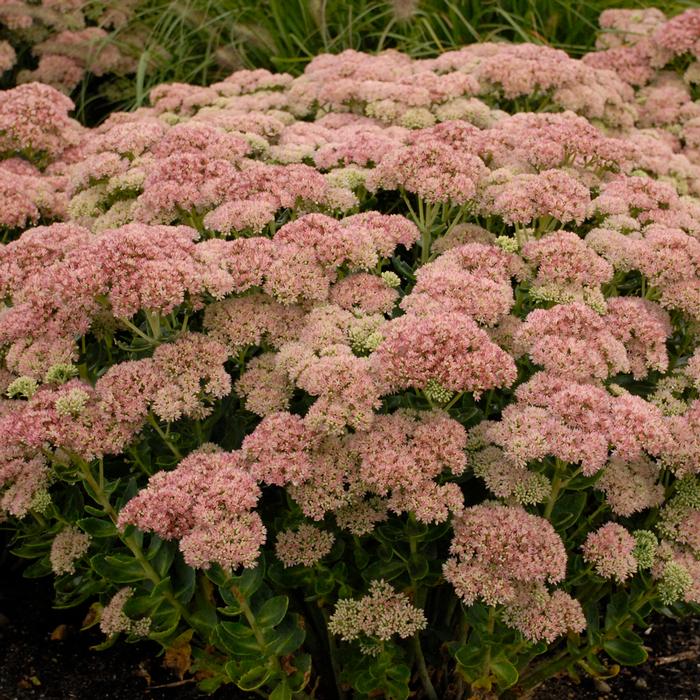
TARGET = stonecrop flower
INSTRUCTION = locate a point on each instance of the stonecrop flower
(577, 423)
(432, 170)
(402, 455)
(445, 347)
(207, 504)
(413, 303)
(573, 341)
(69, 545)
(567, 268)
(524, 198)
(631, 486)
(379, 615)
(610, 550)
(496, 548)
(473, 279)
(113, 619)
(540, 615)
(304, 546)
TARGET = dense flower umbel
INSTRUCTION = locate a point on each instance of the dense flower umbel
(446, 347)
(207, 504)
(610, 551)
(379, 615)
(68, 546)
(304, 546)
(495, 548)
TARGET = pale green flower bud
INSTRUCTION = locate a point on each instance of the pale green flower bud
(72, 403)
(507, 243)
(391, 279)
(60, 374)
(22, 387)
(645, 549)
(674, 583)
(436, 393)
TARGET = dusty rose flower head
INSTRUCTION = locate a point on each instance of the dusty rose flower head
(541, 615)
(24, 476)
(264, 388)
(628, 26)
(576, 423)
(670, 259)
(146, 267)
(473, 279)
(71, 417)
(36, 249)
(617, 247)
(34, 120)
(206, 503)
(278, 451)
(241, 215)
(433, 170)
(545, 140)
(680, 34)
(642, 198)
(524, 198)
(361, 517)
(346, 389)
(187, 375)
(402, 455)
(642, 326)
(610, 550)
(631, 486)
(252, 320)
(448, 348)
(497, 548)
(566, 264)
(304, 546)
(364, 292)
(573, 341)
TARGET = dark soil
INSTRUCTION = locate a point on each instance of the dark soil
(33, 666)
(671, 673)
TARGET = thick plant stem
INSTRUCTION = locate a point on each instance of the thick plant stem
(419, 600)
(253, 623)
(556, 488)
(490, 627)
(425, 244)
(163, 436)
(129, 541)
(135, 329)
(423, 669)
(260, 637)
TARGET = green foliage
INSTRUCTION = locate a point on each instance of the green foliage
(200, 41)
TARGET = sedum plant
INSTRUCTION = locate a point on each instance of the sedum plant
(375, 382)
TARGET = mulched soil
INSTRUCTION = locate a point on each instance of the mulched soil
(671, 673)
(33, 666)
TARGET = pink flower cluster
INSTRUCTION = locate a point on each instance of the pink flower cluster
(206, 503)
(496, 548)
(505, 556)
(577, 423)
(610, 550)
(68, 40)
